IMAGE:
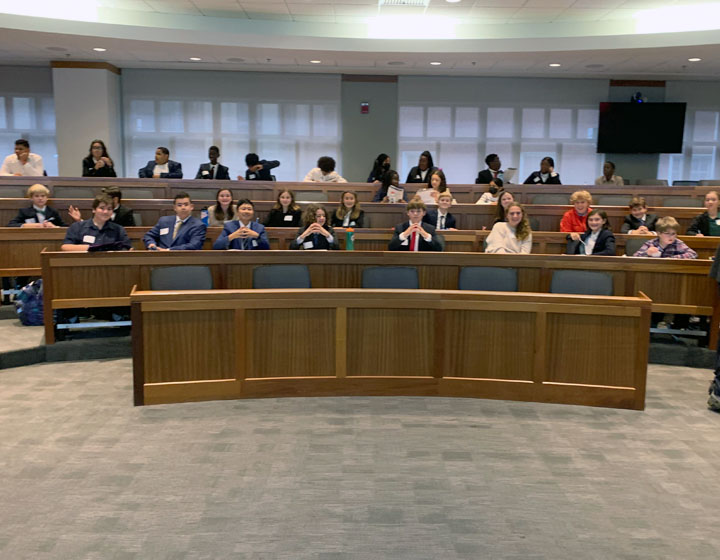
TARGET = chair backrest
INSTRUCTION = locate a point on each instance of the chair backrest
(551, 199)
(686, 183)
(709, 183)
(390, 277)
(181, 278)
(200, 194)
(488, 279)
(135, 194)
(279, 276)
(311, 196)
(441, 240)
(534, 223)
(633, 244)
(613, 200)
(652, 182)
(137, 218)
(74, 192)
(582, 282)
(682, 202)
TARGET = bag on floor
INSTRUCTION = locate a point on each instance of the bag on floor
(29, 304)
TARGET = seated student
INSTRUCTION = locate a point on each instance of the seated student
(285, 213)
(349, 213)
(223, 210)
(597, 240)
(666, 245)
(506, 198)
(258, 169)
(324, 172)
(98, 163)
(315, 233)
(639, 222)
(608, 177)
(122, 215)
(422, 171)
(576, 219)
(381, 165)
(441, 219)
(390, 178)
(22, 163)
(493, 173)
(512, 236)
(415, 235)
(707, 223)
(161, 167)
(438, 184)
(546, 175)
(99, 232)
(243, 234)
(181, 232)
(39, 214)
(494, 191)
(213, 170)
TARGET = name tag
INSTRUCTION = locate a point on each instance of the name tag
(308, 245)
(29, 220)
(254, 243)
(418, 176)
(352, 223)
(164, 231)
(288, 218)
(252, 176)
(88, 239)
(536, 179)
(406, 242)
(717, 222)
(205, 172)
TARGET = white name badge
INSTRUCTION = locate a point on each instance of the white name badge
(536, 179)
(205, 172)
(251, 176)
(29, 220)
(88, 239)
(254, 243)
(717, 222)
(308, 245)
(164, 231)
(288, 218)
(405, 242)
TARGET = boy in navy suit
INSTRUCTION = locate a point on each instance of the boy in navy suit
(243, 234)
(161, 167)
(213, 170)
(181, 232)
(414, 235)
(441, 218)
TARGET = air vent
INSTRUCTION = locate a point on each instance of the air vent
(413, 3)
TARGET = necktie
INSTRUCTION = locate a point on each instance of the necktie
(413, 240)
(177, 227)
(316, 238)
(495, 174)
(246, 244)
(442, 222)
(40, 214)
(212, 171)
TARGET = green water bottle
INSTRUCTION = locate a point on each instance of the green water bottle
(349, 239)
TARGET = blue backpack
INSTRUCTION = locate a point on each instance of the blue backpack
(29, 304)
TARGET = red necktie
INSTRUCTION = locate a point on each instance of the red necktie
(494, 174)
(413, 240)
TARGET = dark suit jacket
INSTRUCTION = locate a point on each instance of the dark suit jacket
(276, 218)
(90, 171)
(414, 175)
(264, 173)
(700, 224)
(337, 222)
(320, 243)
(190, 237)
(24, 214)
(124, 216)
(484, 177)
(396, 243)
(221, 172)
(223, 242)
(174, 168)
(632, 223)
(551, 180)
(432, 216)
(605, 244)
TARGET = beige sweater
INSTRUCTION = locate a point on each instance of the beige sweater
(502, 240)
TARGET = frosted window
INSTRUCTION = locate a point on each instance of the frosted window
(467, 122)
(234, 118)
(438, 122)
(671, 166)
(702, 163)
(191, 152)
(587, 123)
(199, 116)
(504, 150)
(410, 154)
(285, 152)
(233, 153)
(705, 128)
(47, 114)
(412, 122)
(269, 117)
(533, 123)
(296, 120)
(501, 122)
(459, 161)
(23, 113)
(3, 119)
(325, 120)
(171, 116)
(309, 152)
(579, 164)
(142, 115)
(530, 157)
(561, 123)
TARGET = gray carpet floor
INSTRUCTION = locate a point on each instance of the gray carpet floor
(87, 476)
(14, 336)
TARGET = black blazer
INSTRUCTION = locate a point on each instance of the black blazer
(631, 223)
(276, 218)
(396, 243)
(320, 243)
(551, 180)
(431, 218)
(24, 214)
(415, 177)
(605, 244)
(358, 223)
(174, 170)
(264, 173)
(124, 216)
(222, 172)
(700, 224)
(485, 176)
(89, 169)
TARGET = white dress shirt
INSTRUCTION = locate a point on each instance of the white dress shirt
(33, 168)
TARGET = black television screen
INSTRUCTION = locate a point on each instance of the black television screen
(641, 128)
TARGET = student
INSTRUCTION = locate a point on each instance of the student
(324, 172)
(415, 235)
(576, 219)
(99, 232)
(23, 163)
(390, 178)
(258, 169)
(639, 222)
(213, 170)
(441, 219)
(423, 170)
(506, 198)
(608, 177)
(381, 165)
(181, 232)
(513, 236)
(349, 213)
(243, 234)
(315, 233)
(161, 167)
(493, 193)
(223, 210)
(98, 163)
(121, 215)
(438, 184)
(492, 174)
(39, 214)
(597, 239)
(285, 213)
(666, 245)
(546, 175)
(707, 223)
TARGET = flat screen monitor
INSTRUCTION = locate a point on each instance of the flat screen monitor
(641, 128)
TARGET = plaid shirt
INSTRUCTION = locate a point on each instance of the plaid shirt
(675, 250)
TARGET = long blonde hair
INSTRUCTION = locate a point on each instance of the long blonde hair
(523, 230)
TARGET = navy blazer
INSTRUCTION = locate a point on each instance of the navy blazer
(431, 218)
(174, 170)
(631, 223)
(318, 244)
(190, 237)
(396, 243)
(25, 214)
(485, 176)
(264, 173)
(415, 177)
(221, 172)
(535, 178)
(604, 245)
(223, 242)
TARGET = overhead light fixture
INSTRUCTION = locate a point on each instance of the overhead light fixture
(435, 63)
(99, 49)
(694, 59)
(554, 65)
(195, 58)
(452, 1)
(316, 62)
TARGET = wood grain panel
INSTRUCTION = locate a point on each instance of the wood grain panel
(239, 276)
(94, 282)
(346, 276)
(485, 344)
(291, 342)
(438, 277)
(665, 288)
(202, 345)
(396, 342)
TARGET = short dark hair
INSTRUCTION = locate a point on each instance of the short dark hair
(326, 164)
(22, 142)
(245, 201)
(610, 163)
(214, 148)
(164, 150)
(550, 160)
(489, 158)
(252, 159)
(415, 204)
(180, 195)
(102, 199)
(113, 192)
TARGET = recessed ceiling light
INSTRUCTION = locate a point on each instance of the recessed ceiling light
(316, 62)
(99, 49)
(195, 58)
(554, 65)
(452, 1)
(694, 59)
(435, 63)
